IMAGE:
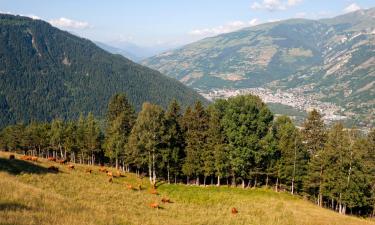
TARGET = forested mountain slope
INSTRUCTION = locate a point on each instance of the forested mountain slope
(47, 73)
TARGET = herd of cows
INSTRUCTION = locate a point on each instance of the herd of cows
(102, 169)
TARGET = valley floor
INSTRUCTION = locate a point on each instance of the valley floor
(30, 194)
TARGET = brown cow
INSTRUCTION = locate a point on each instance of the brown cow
(154, 205)
(166, 200)
(34, 159)
(51, 159)
(71, 167)
(118, 173)
(109, 174)
(234, 211)
(53, 169)
(11, 157)
(102, 169)
(154, 192)
(26, 157)
(62, 161)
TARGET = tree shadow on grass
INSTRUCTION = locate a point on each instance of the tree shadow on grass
(12, 206)
(16, 166)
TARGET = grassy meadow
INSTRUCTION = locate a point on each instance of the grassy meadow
(30, 194)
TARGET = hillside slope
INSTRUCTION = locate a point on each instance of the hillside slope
(29, 194)
(331, 59)
(47, 73)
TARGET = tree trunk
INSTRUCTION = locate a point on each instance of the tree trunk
(169, 181)
(218, 181)
(212, 180)
(117, 162)
(277, 184)
(153, 169)
(243, 183)
(204, 181)
(267, 180)
(320, 195)
(149, 167)
(294, 165)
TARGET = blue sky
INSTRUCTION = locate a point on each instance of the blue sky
(170, 22)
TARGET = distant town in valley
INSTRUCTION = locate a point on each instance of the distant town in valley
(293, 97)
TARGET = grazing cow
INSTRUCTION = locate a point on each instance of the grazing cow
(154, 205)
(62, 161)
(88, 170)
(34, 159)
(154, 192)
(110, 180)
(26, 157)
(51, 159)
(71, 167)
(129, 187)
(11, 157)
(53, 169)
(234, 211)
(118, 173)
(102, 169)
(109, 174)
(166, 200)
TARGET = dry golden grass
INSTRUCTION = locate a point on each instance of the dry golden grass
(29, 194)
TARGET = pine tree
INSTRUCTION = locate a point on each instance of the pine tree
(92, 136)
(57, 136)
(314, 136)
(173, 154)
(148, 136)
(292, 157)
(217, 162)
(120, 120)
(196, 126)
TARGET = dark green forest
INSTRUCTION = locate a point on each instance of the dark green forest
(234, 142)
(47, 73)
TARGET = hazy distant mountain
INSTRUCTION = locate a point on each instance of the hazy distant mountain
(119, 51)
(141, 52)
(47, 73)
(332, 59)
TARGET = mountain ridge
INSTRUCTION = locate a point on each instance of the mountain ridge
(329, 58)
(47, 73)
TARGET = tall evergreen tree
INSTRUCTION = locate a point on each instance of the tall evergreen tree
(120, 120)
(314, 135)
(291, 165)
(148, 137)
(57, 136)
(196, 126)
(173, 154)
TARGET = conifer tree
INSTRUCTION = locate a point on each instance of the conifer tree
(119, 122)
(173, 154)
(148, 137)
(196, 126)
(314, 136)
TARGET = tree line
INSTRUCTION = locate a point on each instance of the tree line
(237, 141)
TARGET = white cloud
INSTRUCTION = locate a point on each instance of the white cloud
(34, 17)
(229, 27)
(69, 23)
(351, 8)
(301, 15)
(273, 5)
(293, 2)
